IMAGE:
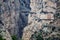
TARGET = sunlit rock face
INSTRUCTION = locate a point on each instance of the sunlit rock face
(42, 12)
(23, 17)
(47, 32)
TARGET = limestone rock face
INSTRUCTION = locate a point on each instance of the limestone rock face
(23, 17)
(42, 13)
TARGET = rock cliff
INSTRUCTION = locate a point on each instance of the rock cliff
(23, 17)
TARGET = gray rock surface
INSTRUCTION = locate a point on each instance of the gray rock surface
(23, 17)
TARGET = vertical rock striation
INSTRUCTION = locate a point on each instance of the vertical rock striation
(14, 15)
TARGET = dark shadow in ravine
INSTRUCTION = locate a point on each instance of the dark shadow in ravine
(23, 16)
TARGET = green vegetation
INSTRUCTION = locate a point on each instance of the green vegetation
(1, 38)
(57, 15)
(37, 36)
(14, 37)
